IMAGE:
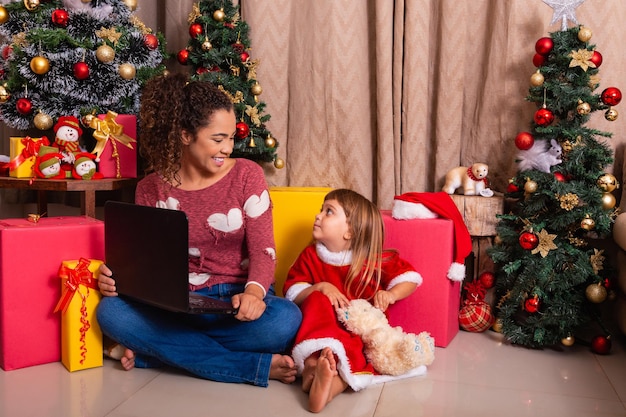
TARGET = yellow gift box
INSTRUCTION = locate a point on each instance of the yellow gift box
(294, 210)
(22, 153)
(81, 337)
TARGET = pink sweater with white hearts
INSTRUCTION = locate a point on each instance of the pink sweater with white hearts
(231, 237)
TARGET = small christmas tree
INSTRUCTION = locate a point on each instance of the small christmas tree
(548, 278)
(218, 52)
(73, 58)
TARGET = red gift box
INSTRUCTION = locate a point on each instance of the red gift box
(428, 244)
(116, 147)
(30, 255)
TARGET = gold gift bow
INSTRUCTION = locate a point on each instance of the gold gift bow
(108, 128)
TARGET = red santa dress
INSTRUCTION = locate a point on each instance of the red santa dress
(320, 327)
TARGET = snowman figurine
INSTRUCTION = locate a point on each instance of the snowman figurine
(85, 167)
(48, 164)
(67, 134)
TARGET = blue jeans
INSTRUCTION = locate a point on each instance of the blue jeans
(212, 346)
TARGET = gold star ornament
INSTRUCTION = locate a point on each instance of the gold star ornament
(546, 243)
(597, 260)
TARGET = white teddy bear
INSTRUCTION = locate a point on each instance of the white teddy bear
(389, 349)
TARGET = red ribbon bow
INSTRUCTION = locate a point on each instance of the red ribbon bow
(474, 292)
(31, 148)
(74, 277)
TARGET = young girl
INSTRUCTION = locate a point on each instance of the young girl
(345, 262)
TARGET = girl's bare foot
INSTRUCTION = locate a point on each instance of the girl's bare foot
(128, 360)
(308, 373)
(283, 368)
(326, 370)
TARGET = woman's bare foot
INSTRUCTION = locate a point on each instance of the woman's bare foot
(128, 360)
(320, 393)
(283, 369)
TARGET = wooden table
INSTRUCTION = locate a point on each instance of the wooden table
(87, 188)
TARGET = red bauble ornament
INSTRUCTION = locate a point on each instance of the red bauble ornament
(559, 177)
(487, 279)
(81, 71)
(243, 130)
(512, 188)
(6, 52)
(532, 304)
(195, 30)
(244, 56)
(596, 58)
(539, 60)
(524, 141)
(24, 106)
(544, 46)
(543, 117)
(215, 68)
(528, 240)
(60, 18)
(611, 96)
(238, 46)
(151, 41)
(201, 70)
(601, 345)
(183, 56)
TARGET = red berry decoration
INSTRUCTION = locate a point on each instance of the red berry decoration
(244, 56)
(183, 56)
(60, 18)
(611, 96)
(243, 130)
(596, 58)
(151, 41)
(532, 304)
(544, 46)
(524, 141)
(487, 279)
(601, 345)
(559, 177)
(81, 71)
(195, 30)
(528, 240)
(24, 106)
(539, 60)
(543, 117)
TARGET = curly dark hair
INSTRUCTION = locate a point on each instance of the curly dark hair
(170, 104)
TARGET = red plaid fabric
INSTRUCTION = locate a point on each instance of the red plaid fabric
(475, 316)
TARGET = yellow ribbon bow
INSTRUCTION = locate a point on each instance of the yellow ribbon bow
(108, 128)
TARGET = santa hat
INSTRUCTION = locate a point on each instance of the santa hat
(431, 205)
(69, 121)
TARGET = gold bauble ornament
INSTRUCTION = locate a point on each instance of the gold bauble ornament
(4, 15)
(31, 5)
(568, 341)
(611, 115)
(608, 201)
(607, 182)
(587, 223)
(40, 65)
(43, 121)
(256, 89)
(537, 79)
(127, 71)
(530, 186)
(132, 4)
(207, 45)
(4, 94)
(584, 34)
(270, 142)
(87, 119)
(105, 54)
(219, 15)
(279, 163)
(596, 293)
(583, 108)
(497, 326)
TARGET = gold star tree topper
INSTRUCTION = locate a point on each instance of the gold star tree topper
(564, 10)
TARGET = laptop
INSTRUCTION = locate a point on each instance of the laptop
(146, 248)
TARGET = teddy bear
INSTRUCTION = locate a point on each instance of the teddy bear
(472, 179)
(390, 350)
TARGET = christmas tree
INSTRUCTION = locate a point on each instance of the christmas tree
(549, 281)
(73, 58)
(218, 52)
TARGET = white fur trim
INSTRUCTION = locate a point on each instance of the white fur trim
(296, 289)
(456, 272)
(333, 258)
(419, 371)
(403, 210)
(409, 276)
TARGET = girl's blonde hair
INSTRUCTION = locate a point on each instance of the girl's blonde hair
(368, 234)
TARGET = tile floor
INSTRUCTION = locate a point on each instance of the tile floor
(476, 375)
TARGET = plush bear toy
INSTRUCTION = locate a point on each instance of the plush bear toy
(471, 179)
(389, 349)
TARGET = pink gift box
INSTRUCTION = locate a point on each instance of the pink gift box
(30, 255)
(126, 161)
(428, 244)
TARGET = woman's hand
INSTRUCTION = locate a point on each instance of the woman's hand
(250, 303)
(106, 284)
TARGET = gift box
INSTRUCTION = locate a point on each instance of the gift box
(81, 337)
(30, 255)
(294, 210)
(22, 154)
(116, 145)
(428, 244)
